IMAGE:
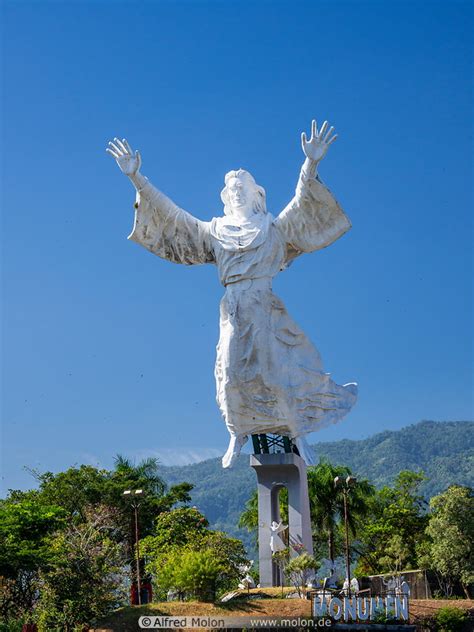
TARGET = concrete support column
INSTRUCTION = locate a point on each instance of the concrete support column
(275, 471)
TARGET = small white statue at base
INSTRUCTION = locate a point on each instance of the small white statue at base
(276, 543)
(354, 586)
(269, 375)
(330, 582)
(248, 581)
(404, 589)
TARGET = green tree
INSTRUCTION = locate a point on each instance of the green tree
(326, 507)
(80, 487)
(327, 504)
(393, 532)
(178, 535)
(25, 527)
(190, 571)
(85, 580)
(450, 619)
(299, 569)
(177, 527)
(33, 524)
(74, 489)
(451, 529)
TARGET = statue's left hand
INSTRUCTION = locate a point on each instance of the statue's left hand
(128, 161)
(316, 147)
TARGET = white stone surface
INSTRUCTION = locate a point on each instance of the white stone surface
(269, 375)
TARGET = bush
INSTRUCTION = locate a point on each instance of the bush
(450, 619)
(382, 617)
(299, 569)
(11, 626)
(195, 572)
(182, 537)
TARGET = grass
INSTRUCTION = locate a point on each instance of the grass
(268, 604)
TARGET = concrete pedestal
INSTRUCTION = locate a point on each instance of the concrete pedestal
(275, 471)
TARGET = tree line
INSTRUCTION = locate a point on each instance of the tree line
(67, 548)
(393, 528)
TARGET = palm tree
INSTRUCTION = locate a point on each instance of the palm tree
(156, 497)
(249, 517)
(144, 475)
(327, 501)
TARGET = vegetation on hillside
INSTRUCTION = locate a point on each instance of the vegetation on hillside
(68, 549)
(444, 451)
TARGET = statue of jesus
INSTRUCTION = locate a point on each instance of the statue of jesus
(269, 375)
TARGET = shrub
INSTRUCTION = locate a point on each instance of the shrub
(299, 569)
(450, 619)
(11, 626)
(195, 572)
(182, 537)
(382, 617)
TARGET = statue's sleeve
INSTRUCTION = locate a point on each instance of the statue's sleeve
(312, 220)
(166, 230)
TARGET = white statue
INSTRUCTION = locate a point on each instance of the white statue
(330, 582)
(269, 375)
(247, 580)
(276, 542)
(404, 590)
(354, 586)
(391, 584)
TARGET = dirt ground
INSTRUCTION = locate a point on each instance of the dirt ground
(264, 604)
(427, 607)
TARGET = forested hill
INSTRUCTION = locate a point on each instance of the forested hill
(443, 450)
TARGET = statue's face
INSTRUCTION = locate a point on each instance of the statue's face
(241, 196)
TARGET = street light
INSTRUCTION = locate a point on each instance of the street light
(346, 486)
(135, 495)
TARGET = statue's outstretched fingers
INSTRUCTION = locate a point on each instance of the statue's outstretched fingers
(328, 134)
(112, 153)
(323, 128)
(332, 139)
(127, 146)
(314, 129)
(115, 148)
(121, 145)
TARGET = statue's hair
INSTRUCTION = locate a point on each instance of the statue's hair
(259, 202)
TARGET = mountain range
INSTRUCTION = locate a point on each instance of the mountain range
(443, 450)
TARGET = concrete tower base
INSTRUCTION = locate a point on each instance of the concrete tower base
(275, 471)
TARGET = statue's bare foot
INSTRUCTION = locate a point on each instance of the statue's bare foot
(235, 445)
(305, 450)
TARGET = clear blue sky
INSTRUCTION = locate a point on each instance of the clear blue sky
(108, 349)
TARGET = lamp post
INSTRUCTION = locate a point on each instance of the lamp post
(135, 495)
(346, 485)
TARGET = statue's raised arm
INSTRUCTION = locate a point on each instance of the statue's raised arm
(313, 219)
(160, 225)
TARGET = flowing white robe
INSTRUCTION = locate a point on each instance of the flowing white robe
(269, 375)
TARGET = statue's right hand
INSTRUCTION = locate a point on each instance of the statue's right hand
(128, 161)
